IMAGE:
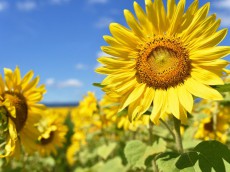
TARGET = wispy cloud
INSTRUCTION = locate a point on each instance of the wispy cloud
(225, 20)
(58, 2)
(222, 4)
(70, 83)
(98, 1)
(3, 5)
(26, 5)
(80, 66)
(50, 82)
(103, 22)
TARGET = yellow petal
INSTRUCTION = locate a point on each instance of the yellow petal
(185, 98)
(114, 51)
(133, 24)
(123, 35)
(212, 53)
(142, 18)
(200, 90)
(2, 85)
(171, 8)
(159, 99)
(206, 77)
(199, 17)
(162, 19)
(147, 100)
(173, 102)
(212, 40)
(115, 62)
(177, 17)
(134, 95)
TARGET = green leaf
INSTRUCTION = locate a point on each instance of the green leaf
(98, 85)
(212, 154)
(222, 88)
(188, 141)
(137, 152)
(105, 150)
(187, 159)
(167, 161)
(113, 165)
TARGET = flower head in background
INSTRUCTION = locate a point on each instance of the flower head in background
(52, 133)
(20, 97)
(164, 58)
(216, 123)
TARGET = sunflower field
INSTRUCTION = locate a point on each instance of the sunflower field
(166, 103)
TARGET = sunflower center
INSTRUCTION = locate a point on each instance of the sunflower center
(3, 125)
(209, 126)
(45, 141)
(19, 102)
(163, 63)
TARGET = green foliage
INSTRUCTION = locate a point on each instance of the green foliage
(211, 155)
(222, 88)
(208, 154)
(137, 152)
(105, 150)
(98, 85)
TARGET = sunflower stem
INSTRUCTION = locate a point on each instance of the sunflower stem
(177, 134)
(168, 127)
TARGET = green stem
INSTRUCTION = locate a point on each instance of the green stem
(155, 167)
(168, 127)
(177, 134)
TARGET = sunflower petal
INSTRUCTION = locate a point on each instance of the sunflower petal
(200, 90)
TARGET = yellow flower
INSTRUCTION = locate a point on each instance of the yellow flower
(8, 133)
(164, 58)
(216, 124)
(20, 96)
(83, 114)
(77, 141)
(52, 131)
(109, 107)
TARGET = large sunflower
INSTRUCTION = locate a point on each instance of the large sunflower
(20, 97)
(164, 58)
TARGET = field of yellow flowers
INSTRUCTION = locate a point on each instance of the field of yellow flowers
(166, 106)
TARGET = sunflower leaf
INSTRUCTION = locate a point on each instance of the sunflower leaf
(187, 159)
(137, 152)
(105, 150)
(98, 85)
(212, 155)
(222, 88)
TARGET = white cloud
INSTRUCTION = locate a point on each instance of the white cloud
(26, 5)
(80, 66)
(101, 53)
(98, 1)
(103, 22)
(222, 4)
(225, 20)
(58, 2)
(3, 5)
(50, 82)
(70, 83)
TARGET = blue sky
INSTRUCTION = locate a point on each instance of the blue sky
(60, 40)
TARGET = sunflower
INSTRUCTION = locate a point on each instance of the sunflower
(52, 131)
(164, 58)
(20, 97)
(216, 123)
(8, 133)
(109, 108)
